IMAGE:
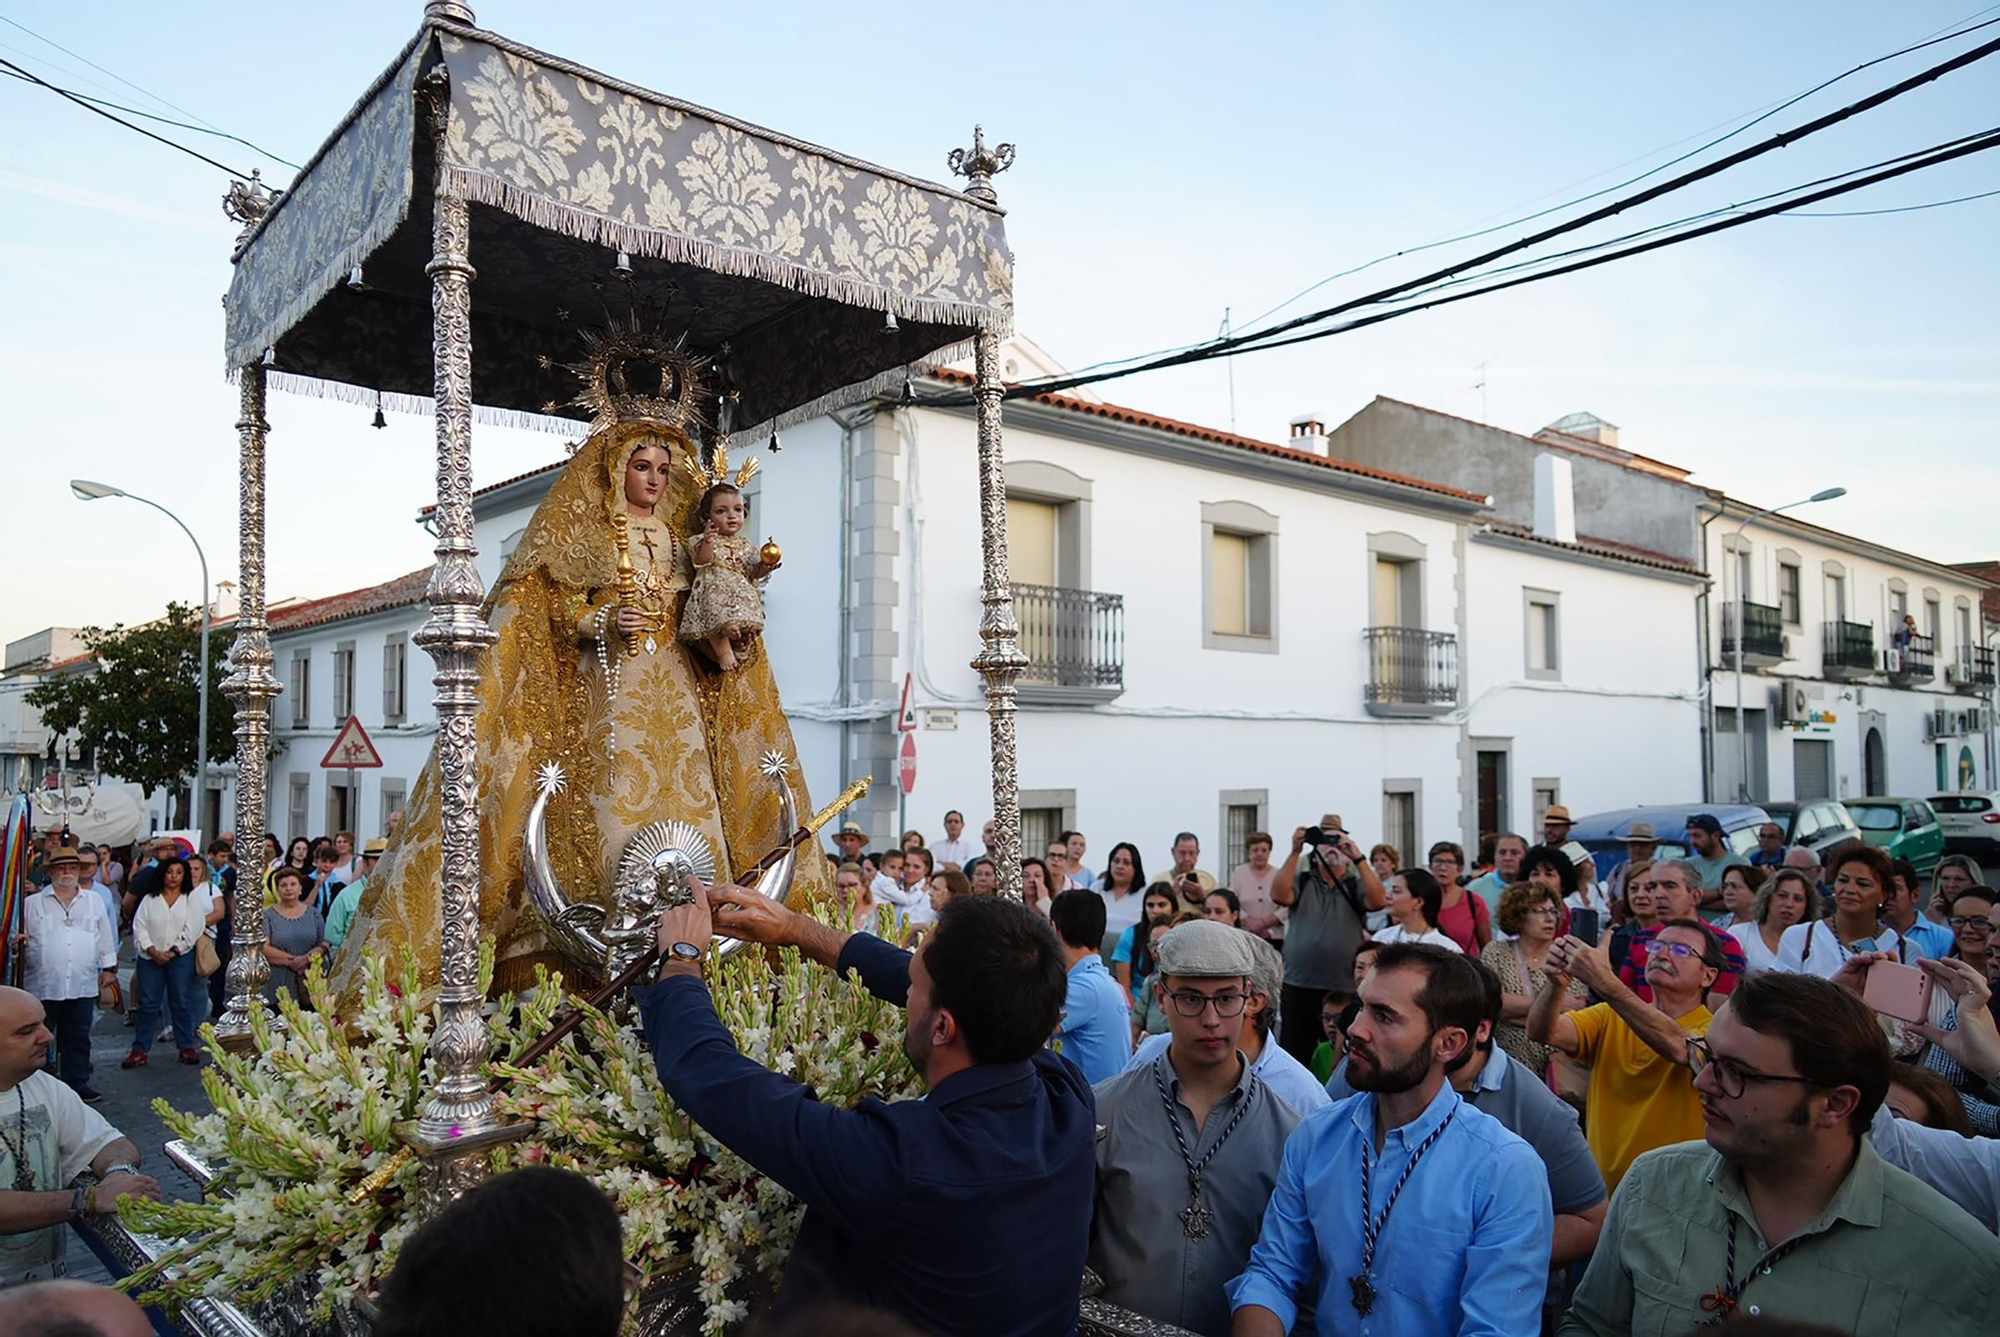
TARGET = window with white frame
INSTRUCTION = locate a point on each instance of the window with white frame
(301, 689)
(1239, 577)
(1400, 802)
(1543, 633)
(1242, 812)
(343, 681)
(395, 665)
(1788, 593)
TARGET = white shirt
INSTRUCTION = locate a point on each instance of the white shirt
(1396, 933)
(168, 928)
(960, 852)
(1120, 913)
(63, 1136)
(66, 947)
(1829, 954)
(113, 904)
(1757, 958)
(210, 896)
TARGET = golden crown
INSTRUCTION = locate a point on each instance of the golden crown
(634, 374)
(717, 470)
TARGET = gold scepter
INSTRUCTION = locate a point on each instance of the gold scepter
(628, 576)
(379, 1177)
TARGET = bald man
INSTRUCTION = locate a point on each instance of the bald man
(48, 1138)
(70, 1308)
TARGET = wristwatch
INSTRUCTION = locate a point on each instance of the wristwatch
(686, 951)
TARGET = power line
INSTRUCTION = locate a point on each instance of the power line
(1905, 209)
(1765, 115)
(1218, 347)
(101, 70)
(79, 101)
(164, 120)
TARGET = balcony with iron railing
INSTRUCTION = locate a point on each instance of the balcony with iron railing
(1411, 672)
(1763, 635)
(1849, 651)
(1974, 670)
(1913, 660)
(1075, 644)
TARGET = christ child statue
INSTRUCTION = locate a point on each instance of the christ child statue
(724, 610)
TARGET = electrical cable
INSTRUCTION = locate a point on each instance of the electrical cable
(1218, 347)
(163, 120)
(1905, 209)
(79, 101)
(49, 41)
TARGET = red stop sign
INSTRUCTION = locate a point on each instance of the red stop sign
(906, 766)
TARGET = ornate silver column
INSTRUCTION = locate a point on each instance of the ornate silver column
(1000, 661)
(450, 1132)
(252, 686)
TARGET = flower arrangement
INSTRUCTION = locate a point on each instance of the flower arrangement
(296, 1126)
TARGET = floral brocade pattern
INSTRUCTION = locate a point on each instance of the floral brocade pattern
(722, 599)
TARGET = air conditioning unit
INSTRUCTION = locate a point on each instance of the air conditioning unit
(1793, 705)
(1964, 721)
(1784, 647)
(1955, 676)
(1940, 723)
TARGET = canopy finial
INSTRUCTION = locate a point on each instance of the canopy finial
(451, 11)
(979, 165)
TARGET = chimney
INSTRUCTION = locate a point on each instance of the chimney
(1309, 433)
(1555, 499)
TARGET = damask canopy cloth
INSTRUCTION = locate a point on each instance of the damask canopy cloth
(790, 255)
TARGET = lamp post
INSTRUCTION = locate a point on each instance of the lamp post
(1735, 550)
(85, 490)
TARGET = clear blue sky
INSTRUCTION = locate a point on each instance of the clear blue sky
(1174, 160)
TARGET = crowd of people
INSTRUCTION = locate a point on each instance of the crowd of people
(1337, 1092)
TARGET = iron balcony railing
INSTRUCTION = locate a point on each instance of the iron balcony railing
(1412, 668)
(1763, 633)
(1072, 638)
(1851, 646)
(1913, 661)
(1975, 666)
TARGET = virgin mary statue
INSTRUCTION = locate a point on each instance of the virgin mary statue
(589, 674)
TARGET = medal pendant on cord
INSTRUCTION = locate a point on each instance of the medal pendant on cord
(1364, 1293)
(1195, 1218)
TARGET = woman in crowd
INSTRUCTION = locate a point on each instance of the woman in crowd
(1740, 885)
(1788, 898)
(1547, 867)
(1973, 920)
(1132, 957)
(295, 934)
(1529, 911)
(1637, 910)
(1035, 893)
(274, 853)
(164, 929)
(1414, 898)
(1385, 860)
(985, 878)
(1222, 906)
(1954, 873)
(1123, 887)
(299, 855)
(1459, 916)
(946, 885)
(1074, 845)
(1860, 875)
(1921, 1096)
(912, 840)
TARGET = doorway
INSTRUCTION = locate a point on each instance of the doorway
(1874, 763)
(1491, 796)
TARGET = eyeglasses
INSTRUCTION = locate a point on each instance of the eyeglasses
(1971, 921)
(1191, 1004)
(1552, 911)
(1731, 1077)
(1442, 862)
(1680, 950)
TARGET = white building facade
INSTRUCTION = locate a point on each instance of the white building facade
(1835, 702)
(1227, 635)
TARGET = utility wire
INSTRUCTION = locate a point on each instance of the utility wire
(1219, 347)
(49, 41)
(163, 120)
(1905, 209)
(79, 101)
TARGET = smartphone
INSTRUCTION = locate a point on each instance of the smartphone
(1899, 991)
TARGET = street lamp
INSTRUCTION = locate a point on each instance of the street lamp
(85, 490)
(1736, 560)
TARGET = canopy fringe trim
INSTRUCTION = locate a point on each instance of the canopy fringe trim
(420, 406)
(888, 383)
(570, 220)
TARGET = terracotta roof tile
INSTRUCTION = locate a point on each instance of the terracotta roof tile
(398, 593)
(1140, 418)
(1596, 547)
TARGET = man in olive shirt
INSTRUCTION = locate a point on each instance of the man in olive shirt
(1786, 1211)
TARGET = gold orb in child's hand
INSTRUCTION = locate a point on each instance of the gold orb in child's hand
(771, 554)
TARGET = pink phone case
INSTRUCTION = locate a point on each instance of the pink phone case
(1899, 991)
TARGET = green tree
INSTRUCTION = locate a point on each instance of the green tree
(138, 706)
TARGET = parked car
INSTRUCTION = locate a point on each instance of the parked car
(1599, 833)
(1902, 828)
(1822, 825)
(1971, 823)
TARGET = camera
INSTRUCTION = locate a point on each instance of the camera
(1316, 836)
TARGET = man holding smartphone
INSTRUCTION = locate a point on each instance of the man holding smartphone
(1329, 897)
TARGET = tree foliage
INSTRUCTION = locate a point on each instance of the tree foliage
(138, 705)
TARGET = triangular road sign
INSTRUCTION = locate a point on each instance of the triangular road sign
(351, 748)
(906, 718)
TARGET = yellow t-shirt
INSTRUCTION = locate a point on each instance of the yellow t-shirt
(1638, 1100)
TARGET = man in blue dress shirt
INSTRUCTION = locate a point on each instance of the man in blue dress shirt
(1458, 1224)
(905, 1202)
(1096, 1028)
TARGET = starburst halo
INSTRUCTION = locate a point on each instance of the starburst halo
(550, 778)
(775, 764)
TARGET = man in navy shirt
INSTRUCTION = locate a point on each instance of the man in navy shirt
(905, 1201)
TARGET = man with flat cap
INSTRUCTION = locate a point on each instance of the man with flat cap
(1189, 1145)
